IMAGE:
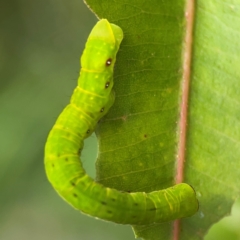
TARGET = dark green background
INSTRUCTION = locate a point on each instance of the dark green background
(40, 45)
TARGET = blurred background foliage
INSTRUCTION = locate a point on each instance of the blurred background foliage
(40, 45)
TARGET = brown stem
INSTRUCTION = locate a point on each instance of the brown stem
(189, 15)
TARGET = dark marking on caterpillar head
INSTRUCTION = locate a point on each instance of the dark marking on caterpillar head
(107, 85)
(73, 184)
(88, 131)
(145, 135)
(75, 195)
(108, 62)
(103, 203)
(152, 209)
(102, 109)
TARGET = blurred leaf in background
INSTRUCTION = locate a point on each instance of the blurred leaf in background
(40, 46)
(228, 227)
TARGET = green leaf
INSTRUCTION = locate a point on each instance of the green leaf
(214, 120)
(140, 136)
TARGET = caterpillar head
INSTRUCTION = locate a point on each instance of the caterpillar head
(101, 48)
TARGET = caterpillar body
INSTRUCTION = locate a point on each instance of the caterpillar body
(90, 101)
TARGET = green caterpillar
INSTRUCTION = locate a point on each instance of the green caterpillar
(90, 101)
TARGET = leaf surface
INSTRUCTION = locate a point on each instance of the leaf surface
(139, 138)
